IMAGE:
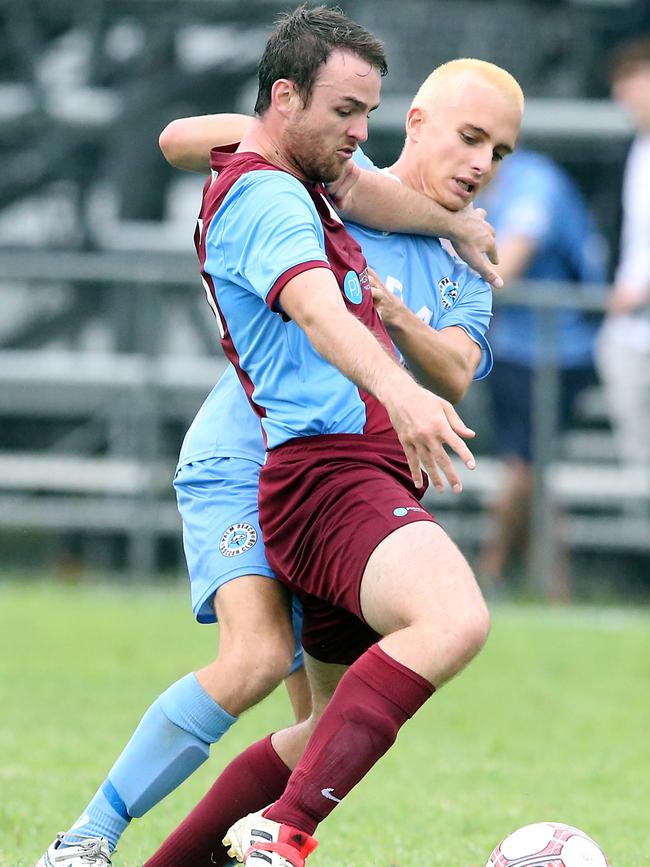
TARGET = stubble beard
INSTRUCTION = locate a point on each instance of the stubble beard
(307, 152)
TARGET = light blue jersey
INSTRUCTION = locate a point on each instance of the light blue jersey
(439, 288)
(225, 426)
(260, 228)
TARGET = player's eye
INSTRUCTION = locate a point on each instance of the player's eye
(343, 112)
(468, 139)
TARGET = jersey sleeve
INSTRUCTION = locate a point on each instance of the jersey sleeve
(471, 311)
(363, 162)
(268, 231)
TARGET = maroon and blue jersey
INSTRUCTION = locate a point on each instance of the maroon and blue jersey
(258, 228)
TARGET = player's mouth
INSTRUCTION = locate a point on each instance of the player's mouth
(466, 189)
(346, 153)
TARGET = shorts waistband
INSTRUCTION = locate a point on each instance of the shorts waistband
(338, 442)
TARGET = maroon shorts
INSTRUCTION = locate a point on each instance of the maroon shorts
(326, 502)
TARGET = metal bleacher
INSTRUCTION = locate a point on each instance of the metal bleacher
(84, 448)
(107, 469)
(113, 350)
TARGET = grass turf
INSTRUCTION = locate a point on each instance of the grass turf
(550, 722)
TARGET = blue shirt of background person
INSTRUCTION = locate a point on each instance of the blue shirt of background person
(440, 289)
(534, 198)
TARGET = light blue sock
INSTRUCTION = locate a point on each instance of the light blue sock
(171, 742)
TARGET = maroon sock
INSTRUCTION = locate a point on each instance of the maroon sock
(251, 781)
(373, 700)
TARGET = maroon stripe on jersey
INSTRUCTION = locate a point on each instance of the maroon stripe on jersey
(232, 355)
(283, 279)
(344, 255)
(247, 385)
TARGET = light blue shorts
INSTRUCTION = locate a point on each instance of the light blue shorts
(217, 500)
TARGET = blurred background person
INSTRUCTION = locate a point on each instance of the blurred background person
(544, 232)
(624, 343)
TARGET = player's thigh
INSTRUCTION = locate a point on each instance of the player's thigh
(418, 575)
(217, 500)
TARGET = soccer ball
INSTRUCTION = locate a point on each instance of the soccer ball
(548, 844)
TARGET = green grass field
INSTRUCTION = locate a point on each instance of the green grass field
(552, 721)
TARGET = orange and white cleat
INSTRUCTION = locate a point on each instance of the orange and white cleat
(260, 842)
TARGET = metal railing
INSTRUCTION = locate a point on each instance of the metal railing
(118, 470)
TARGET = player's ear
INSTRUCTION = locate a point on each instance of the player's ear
(284, 96)
(414, 120)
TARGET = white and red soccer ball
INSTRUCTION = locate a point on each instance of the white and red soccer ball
(548, 844)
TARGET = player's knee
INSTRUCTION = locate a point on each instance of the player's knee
(266, 662)
(476, 626)
(472, 619)
(456, 639)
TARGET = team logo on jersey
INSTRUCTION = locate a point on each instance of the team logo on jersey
(237, 539)
(448, 292)
(352, 287)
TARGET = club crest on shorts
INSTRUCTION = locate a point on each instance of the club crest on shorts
(237, 539)
(448, 292)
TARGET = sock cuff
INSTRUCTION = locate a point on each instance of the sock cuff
(188, 705)
(405, 688)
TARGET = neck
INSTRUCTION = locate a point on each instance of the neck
(405, 171)
(262, 139)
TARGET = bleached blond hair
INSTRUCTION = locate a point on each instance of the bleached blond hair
(456, 72)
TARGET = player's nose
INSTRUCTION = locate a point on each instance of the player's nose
(482, 159)
(358, 129)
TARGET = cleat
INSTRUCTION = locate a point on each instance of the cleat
(86, 852)
(260, 842)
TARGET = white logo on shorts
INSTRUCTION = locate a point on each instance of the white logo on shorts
(237, 539)
(402, 511)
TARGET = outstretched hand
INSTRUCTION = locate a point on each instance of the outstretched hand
(474, 239)
(425, 423)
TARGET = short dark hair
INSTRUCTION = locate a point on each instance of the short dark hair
(301, 43)
(628, 57)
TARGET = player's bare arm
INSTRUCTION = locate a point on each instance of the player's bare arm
(424, 422)
(187, 141)
(365, 197)
(443, 361)
(376, 201)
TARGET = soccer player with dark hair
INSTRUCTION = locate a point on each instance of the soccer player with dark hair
(463, 343)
